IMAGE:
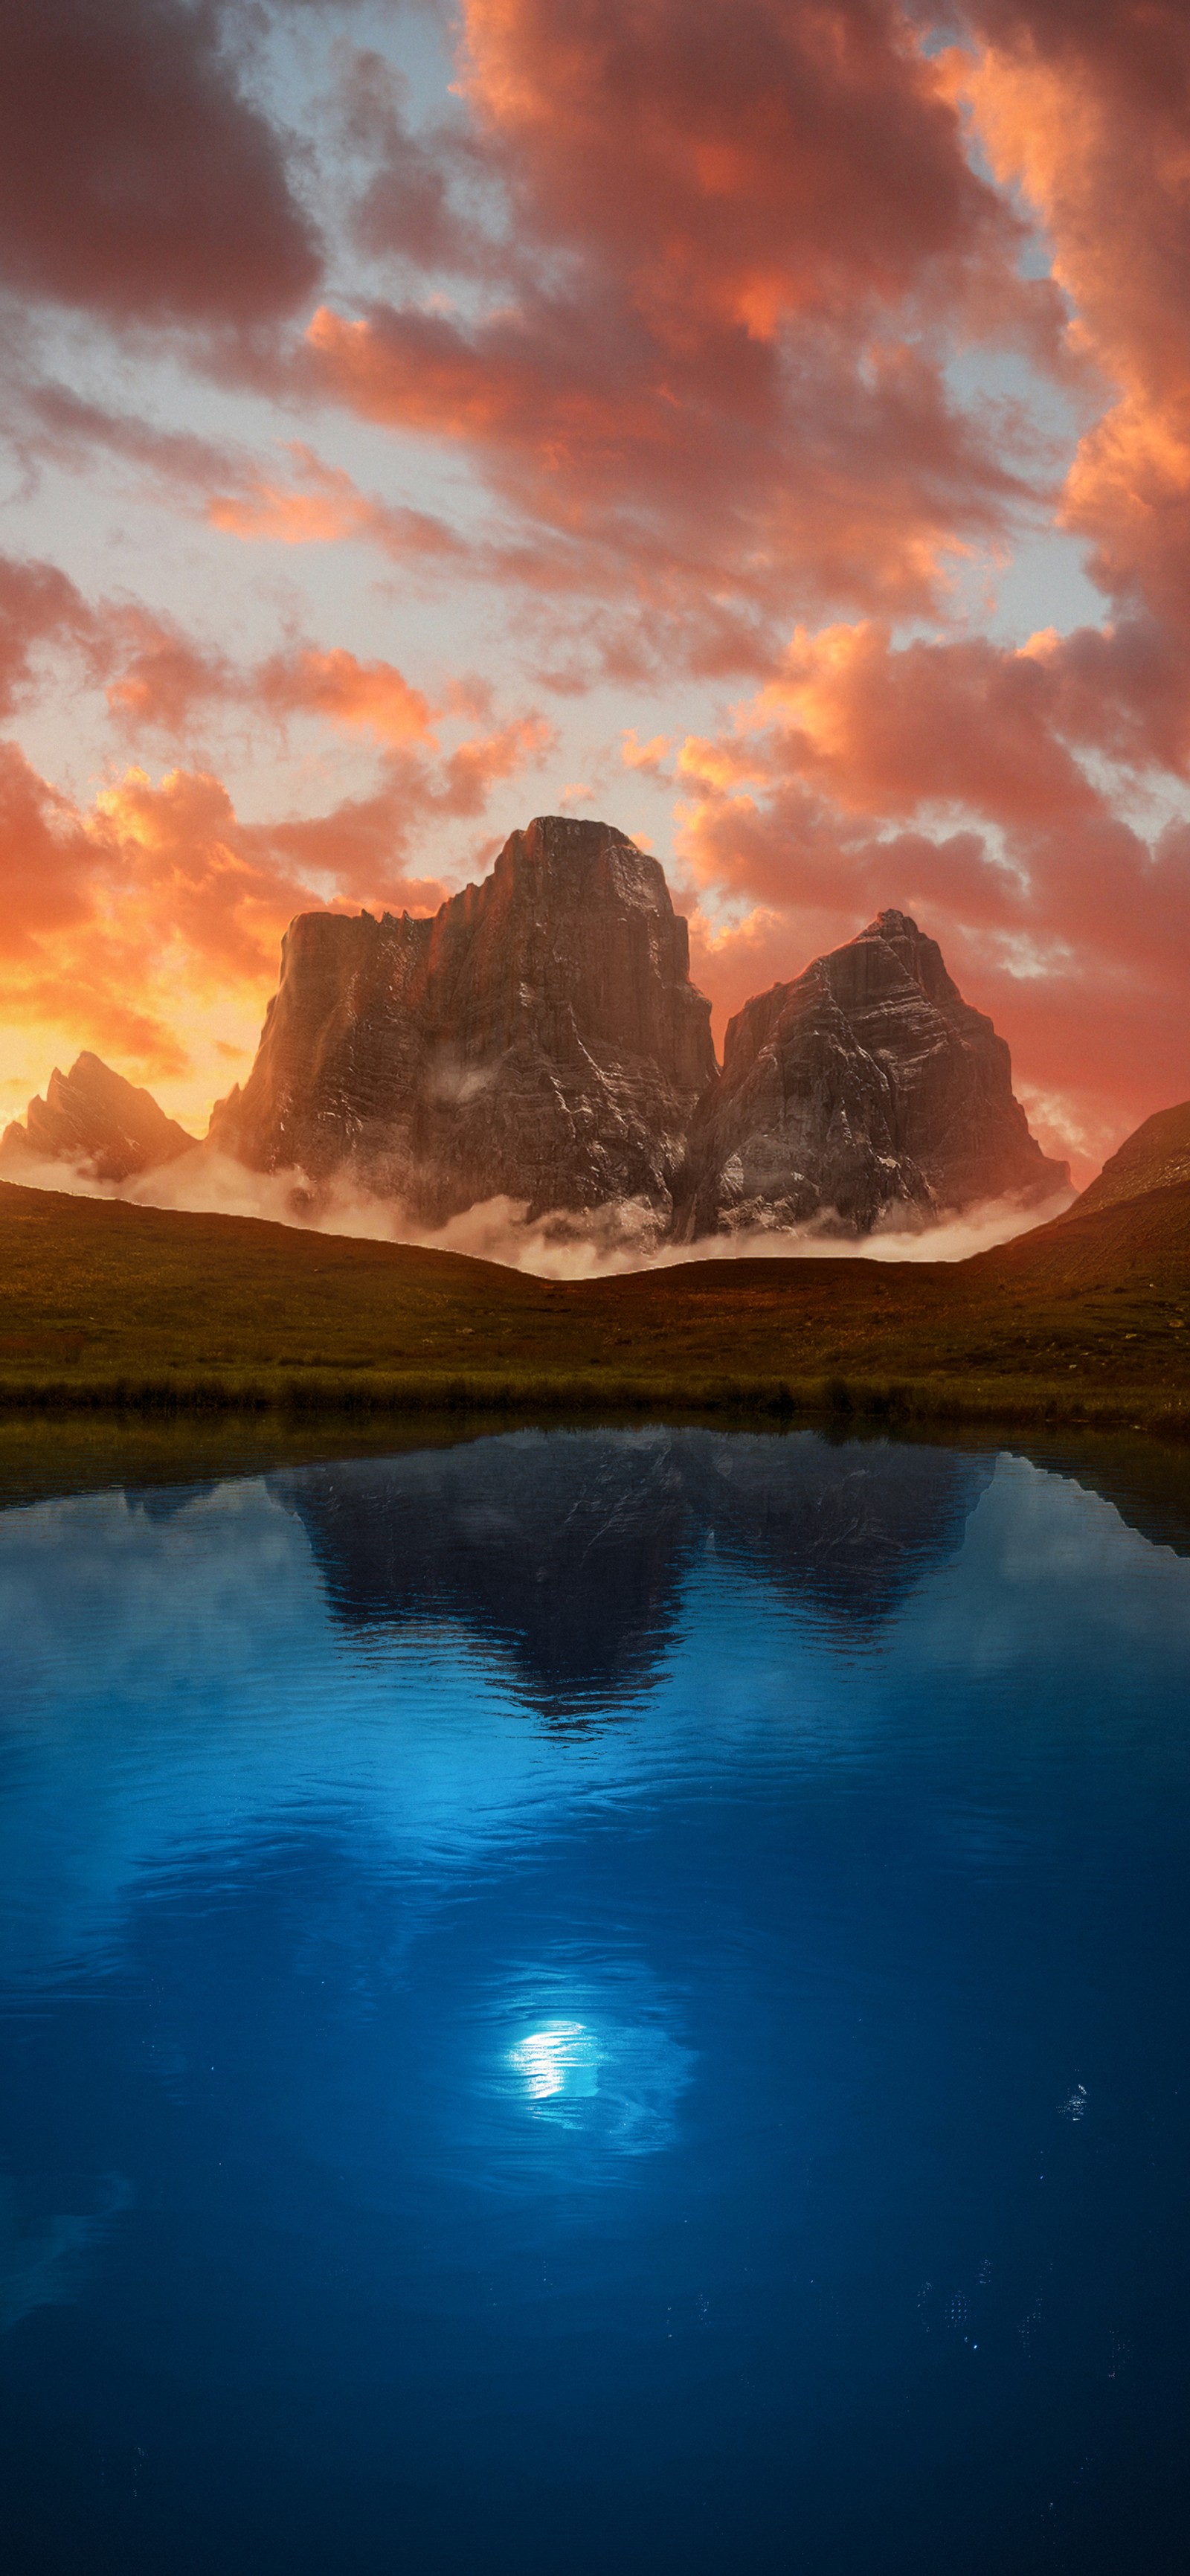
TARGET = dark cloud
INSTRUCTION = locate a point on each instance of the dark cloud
(412, 200)
(136, 178)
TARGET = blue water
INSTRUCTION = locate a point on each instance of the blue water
(596, 2001)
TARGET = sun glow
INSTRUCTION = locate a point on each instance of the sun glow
(562, 2058)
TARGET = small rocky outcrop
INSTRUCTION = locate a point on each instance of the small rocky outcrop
(538, 1038)
(866, 1093)
(94, 1120)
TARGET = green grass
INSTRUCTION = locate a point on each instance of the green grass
(105, 1306)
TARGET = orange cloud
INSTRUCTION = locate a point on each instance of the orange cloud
(778, 159)
(163, 679)
(645, 755)
(40, 610)
(148, 925)
(370, 696)
(714, 378)
(961, 725)
(1085, 109)
(322, 506)
(1062, 918)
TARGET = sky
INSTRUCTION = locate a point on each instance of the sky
(764, 424)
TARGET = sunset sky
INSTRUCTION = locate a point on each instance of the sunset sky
(764, 424)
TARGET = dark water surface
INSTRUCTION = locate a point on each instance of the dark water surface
(597, 2001)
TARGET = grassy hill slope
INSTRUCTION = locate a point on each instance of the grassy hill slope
(105, 1304)
(1156, 1155)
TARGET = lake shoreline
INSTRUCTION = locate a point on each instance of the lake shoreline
(1014, 1403)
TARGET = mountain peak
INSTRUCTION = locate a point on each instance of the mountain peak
(890, 924)
(584, 860)
(867, 1092)
(97, 1121)
(567, 834)
(537, 1038)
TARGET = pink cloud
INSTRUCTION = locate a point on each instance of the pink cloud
(949, 779)
(715, 377)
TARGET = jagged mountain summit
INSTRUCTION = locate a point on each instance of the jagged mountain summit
(539, 1037)
(94, 1120)
(866, 1093)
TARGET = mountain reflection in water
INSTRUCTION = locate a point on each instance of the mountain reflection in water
(571, 1548)
(603, 1998)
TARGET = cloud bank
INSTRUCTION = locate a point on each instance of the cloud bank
(603, 1243)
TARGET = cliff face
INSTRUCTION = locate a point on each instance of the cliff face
(95, 1120)
(867, 1091)
(539, 1037)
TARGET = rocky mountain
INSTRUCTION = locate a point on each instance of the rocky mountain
(95, 1120)
(866, 1092)
(538, 1037)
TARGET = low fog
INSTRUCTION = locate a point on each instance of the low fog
(600, 1243)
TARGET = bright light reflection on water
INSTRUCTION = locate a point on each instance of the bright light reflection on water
(614, 2089)
(561, 2059)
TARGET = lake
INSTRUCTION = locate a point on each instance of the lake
(596, 2000)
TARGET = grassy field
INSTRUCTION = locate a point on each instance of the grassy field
(103, 1305)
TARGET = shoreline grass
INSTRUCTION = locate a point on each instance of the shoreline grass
(1021, 1402)
(106, 1308)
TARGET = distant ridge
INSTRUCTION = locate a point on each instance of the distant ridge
(1155, 1156)
(1130, 1241)
(94, 1120)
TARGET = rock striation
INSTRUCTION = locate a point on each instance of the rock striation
(537, 1038)
(866, 1093)
(94, 1120)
